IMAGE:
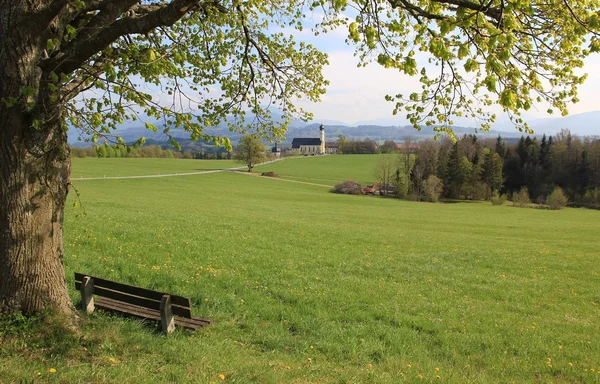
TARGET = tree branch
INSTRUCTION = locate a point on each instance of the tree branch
(106, 31)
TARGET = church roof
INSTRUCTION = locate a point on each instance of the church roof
(298, 141)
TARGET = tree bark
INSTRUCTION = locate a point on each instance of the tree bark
(34, 174)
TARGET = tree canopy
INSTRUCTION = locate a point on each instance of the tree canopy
(513, 53)
(250, 152)
(190, 64)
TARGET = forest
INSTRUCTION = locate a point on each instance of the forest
(479, 169)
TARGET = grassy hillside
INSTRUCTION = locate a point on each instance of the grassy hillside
(328, 170)
(94, 167)
(308, 286)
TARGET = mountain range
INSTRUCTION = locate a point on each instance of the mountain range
(584, 124)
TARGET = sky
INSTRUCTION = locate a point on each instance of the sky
(357, 94)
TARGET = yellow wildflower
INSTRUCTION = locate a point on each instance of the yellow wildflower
(438, 377)
(221, 377)
(420, 377)
(437, 369)
(52, 370)
(570, 364)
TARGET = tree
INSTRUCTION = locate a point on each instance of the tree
(521, 198)
(407, 149)
(433, 187)
(417, 181)
(342, 144)
(82, 62)
(389, 146)
(492, 171)
(557, 199)
(427, 157)
(385, 172)
(251, 151)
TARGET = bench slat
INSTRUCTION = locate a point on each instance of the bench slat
(137, 291)
(194, 323)
(135, 300)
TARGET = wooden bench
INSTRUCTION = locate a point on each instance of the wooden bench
(170, 310)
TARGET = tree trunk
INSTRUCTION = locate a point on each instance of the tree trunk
(33, 190)
(34, 174)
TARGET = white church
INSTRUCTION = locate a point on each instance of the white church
(309, 145)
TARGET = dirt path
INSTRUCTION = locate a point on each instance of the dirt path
(280, 179)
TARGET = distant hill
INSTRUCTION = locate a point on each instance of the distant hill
(583, 124)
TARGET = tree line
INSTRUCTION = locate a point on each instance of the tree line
(475, 169)
(148, 151)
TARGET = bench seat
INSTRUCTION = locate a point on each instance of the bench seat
(171, 310)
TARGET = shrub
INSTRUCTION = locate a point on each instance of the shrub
(557, 199)
(521, 198)
(269, 174)
(348, 187)
(498, 199)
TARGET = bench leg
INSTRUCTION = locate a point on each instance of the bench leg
(87, 294)
(166, 315)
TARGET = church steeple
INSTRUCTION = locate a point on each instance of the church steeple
(322, 129)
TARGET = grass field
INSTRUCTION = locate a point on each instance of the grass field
(94, 167)
(306, 286)
(329, 170)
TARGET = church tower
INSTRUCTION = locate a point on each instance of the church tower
(322, 129)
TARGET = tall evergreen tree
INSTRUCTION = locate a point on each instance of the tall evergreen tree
(492, 171)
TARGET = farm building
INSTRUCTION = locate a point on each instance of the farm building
(331, 147)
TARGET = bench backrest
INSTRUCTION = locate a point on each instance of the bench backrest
(142, 297)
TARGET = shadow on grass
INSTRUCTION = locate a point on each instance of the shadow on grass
(455, 201)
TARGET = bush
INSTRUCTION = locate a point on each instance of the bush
(557, 199)
(521, 198)
(269, 174)
(498, 199)
(348, 187)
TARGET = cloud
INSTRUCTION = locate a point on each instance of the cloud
(357, 94)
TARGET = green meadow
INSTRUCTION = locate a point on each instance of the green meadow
(327, 170)
(94, 167)
(306, 286)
